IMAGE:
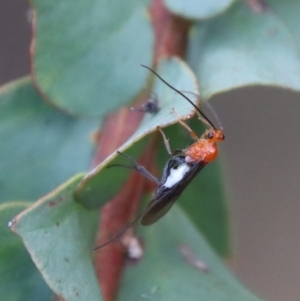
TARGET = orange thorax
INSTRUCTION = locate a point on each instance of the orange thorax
(201, 150)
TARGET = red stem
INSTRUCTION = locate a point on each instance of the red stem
(170, 39)
(171, 32)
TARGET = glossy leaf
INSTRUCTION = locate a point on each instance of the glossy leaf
(99, 184)
(58, 233)
(242, 48)
(288, 13)
(195, 9)
(205, 201)
(41, 147)
(167, 274)
(87, 54)
(20, 279)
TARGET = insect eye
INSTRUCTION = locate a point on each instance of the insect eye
(210, 135)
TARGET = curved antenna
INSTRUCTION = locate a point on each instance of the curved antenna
(120, 233)
(215, 116)
(184, 96)
(124, 229)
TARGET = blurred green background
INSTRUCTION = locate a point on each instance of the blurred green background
(261, 167)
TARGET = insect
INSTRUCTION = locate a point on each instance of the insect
(150, 106)
(179, 170)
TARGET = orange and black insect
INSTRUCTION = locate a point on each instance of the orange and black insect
(180, 169)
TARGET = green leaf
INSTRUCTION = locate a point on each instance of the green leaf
(204, 200)
(87, 53)
(103, 184)
(41, 147)
(242, 48)
(205, 203)
(195, 9)
(20, 280)
(59, 233)
(168, 275)
(288, 13)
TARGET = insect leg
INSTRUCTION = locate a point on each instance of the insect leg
(139, 168)
(167, 144)
(166, 141)
(192, 133)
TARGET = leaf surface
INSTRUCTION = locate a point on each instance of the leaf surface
(194, 9)
(58, 234)
(241, 48)
(87, 53)
(41, 147)
(167, 274)
(20, 279)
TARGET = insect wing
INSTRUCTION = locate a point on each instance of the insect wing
(166, 197)
(156, 210)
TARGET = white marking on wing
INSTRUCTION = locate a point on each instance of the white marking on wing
(176, 175)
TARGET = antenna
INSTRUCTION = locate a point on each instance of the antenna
(124, 229)
(120, 233)
(209, 106)
(179, 92)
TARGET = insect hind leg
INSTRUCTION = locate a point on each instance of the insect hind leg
(138, 168)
